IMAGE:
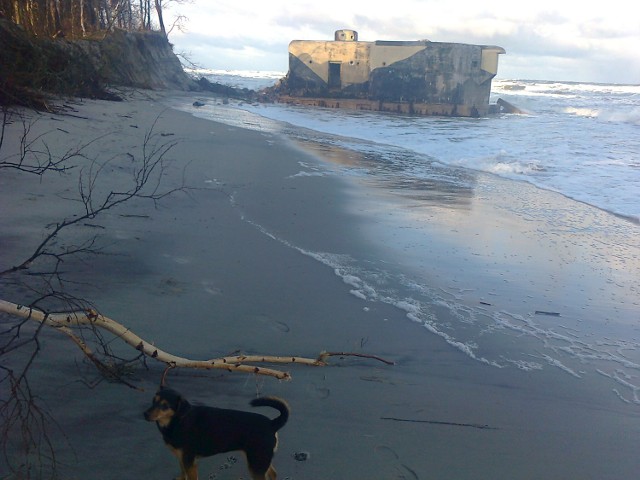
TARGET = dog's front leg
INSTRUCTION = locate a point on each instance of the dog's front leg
(271, 473)
(184, 475)
(188, 472)
(188, 466)
(192, 472)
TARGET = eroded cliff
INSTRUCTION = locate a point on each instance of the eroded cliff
(32, 68)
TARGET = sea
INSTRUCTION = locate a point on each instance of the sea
(561, 291)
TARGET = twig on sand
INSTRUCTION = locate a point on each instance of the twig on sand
(436, 422)
(324, 355)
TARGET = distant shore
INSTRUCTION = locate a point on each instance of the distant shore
(207, 273)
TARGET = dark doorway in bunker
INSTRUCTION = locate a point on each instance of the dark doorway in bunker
(334, 76)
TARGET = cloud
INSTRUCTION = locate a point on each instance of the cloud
(207, 51)
(545, 39)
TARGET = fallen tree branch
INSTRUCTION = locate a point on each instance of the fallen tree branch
(64, 322)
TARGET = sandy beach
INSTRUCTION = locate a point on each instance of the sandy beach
(228, 266)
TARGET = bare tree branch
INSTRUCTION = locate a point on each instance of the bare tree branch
(20, 411)
(179, 23)
(146, 183)
(30, 159)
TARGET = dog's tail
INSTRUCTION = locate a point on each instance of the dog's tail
(277, 403)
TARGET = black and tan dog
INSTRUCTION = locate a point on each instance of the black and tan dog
(198, 431)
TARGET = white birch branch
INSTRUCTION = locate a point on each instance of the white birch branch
(64, 322)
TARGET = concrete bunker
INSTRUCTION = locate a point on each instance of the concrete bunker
(419, 76)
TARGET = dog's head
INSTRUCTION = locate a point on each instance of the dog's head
(165, 405)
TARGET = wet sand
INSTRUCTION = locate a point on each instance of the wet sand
(205, 273)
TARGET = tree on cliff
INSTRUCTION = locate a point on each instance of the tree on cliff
(88, 51)
(82, 18)
(160, 6)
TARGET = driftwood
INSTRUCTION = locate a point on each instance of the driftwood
(65, 322)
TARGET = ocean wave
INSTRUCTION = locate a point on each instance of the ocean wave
(630, 116)
(582, 112)
(563, 89)
(251, 74)
(502, 165)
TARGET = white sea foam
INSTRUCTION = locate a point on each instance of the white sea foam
(557, 363)
(582, 112)
(623, 380)
(305, 173)
(524, 365)
(631, 116)
(358, 294)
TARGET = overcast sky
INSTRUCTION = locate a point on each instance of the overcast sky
(589, 40)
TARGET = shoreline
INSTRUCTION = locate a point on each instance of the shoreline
(505, 245)
(231, 267)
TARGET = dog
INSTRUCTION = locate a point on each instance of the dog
(198, 431)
